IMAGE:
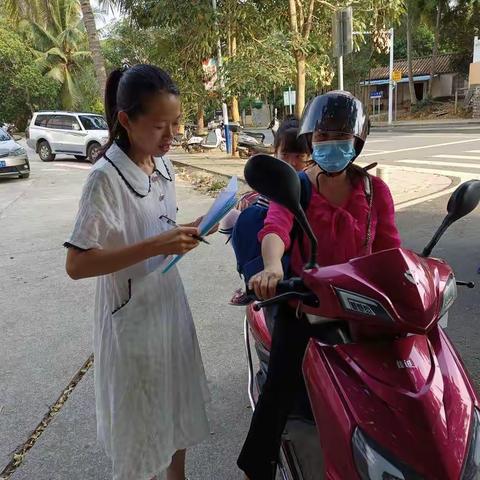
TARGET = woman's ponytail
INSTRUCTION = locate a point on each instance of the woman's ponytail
(115, 130)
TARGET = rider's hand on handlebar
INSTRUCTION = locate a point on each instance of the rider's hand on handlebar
(264, 283)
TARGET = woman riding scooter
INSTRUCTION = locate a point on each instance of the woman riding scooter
(352, 214)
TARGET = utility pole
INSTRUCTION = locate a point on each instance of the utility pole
(342, 26)
(390, 80)
(222, 82)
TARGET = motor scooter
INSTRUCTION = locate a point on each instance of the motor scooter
(387, 396)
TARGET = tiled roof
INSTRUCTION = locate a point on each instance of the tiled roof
(445, 63)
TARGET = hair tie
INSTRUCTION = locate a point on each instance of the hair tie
(125, 66)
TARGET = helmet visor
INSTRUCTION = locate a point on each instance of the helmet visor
(335, 112)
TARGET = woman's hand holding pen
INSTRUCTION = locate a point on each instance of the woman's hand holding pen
(178, 240)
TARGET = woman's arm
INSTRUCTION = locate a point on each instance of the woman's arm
(95, 262)
(264, 283)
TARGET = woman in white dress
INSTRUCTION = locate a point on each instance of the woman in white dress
(150, 383)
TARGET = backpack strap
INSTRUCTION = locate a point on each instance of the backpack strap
(368, 188)
(306, 190)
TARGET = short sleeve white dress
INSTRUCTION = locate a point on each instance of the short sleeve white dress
(150, 382)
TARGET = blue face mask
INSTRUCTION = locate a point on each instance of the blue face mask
(333, 156)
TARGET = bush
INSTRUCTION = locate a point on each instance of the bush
(422, 104)
(23, 87)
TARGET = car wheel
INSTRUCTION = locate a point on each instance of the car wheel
(80, 158)
(45, 152)
(92, 152)
(24, 175)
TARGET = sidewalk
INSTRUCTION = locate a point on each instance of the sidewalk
(441, 122)
(406, 185)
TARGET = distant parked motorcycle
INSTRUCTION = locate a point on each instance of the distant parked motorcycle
(197, 143)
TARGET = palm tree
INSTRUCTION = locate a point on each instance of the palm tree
(94, 45)
(37, 10)
(60, 45)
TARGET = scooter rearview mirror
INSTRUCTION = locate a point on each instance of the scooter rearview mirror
(462, 201)
(278, 181)
(275, 179)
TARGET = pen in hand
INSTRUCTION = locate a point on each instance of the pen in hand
(174, 224)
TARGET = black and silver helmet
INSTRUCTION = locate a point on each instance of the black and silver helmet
(336, 112)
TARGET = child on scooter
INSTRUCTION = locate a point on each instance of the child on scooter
(288, 147)
(348, 221)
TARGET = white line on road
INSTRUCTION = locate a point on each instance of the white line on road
(460, 157)
(423, 147)
(440, 164)
(49, 169)
(416, 201)
(80, 167)
(473, 151)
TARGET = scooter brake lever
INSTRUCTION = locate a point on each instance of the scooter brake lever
(282, 298)
(465, 284)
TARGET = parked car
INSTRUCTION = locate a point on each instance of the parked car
(13, 157)
(78, 134)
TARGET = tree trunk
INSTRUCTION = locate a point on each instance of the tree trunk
(94, 45)
(200, 119)
(435, 49)
(301, 66)
(232, 51)
(411, 85)
(235, 118)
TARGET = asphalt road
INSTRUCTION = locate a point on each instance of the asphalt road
(45, 318)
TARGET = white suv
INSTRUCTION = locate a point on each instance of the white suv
(78, 134)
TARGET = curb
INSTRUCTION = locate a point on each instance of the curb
(454, 182)
(206, 170)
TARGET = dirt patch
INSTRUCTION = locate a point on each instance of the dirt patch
(206, 182)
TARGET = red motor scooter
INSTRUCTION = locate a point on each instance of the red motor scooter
(387, 396)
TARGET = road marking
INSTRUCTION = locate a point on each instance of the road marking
(416, 201)
(80, 167)
(440, 164)
(48, 169)
(473, 151)
(460, 157)
(423, 147)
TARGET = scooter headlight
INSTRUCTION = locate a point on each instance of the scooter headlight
(373, 465)
(471, 470)
(449, 295)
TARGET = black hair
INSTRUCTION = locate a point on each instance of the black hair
(286, 137)
(128, 89)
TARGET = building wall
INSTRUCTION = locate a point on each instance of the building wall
(474, 77)
(443, 85)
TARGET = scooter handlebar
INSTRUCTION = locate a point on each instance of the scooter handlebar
(290, 289)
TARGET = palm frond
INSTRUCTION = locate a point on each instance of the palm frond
(55, 55)
(57, 73)
(69, 92)
(43, 38)
(81, 56)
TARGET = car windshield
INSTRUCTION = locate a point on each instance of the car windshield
(4, 136)
(93, 122)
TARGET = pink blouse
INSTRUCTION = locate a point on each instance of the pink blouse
(340, 231)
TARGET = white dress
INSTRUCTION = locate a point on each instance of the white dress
(150, 383)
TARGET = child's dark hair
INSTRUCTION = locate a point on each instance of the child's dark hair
(286, 137)
(128, 89)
